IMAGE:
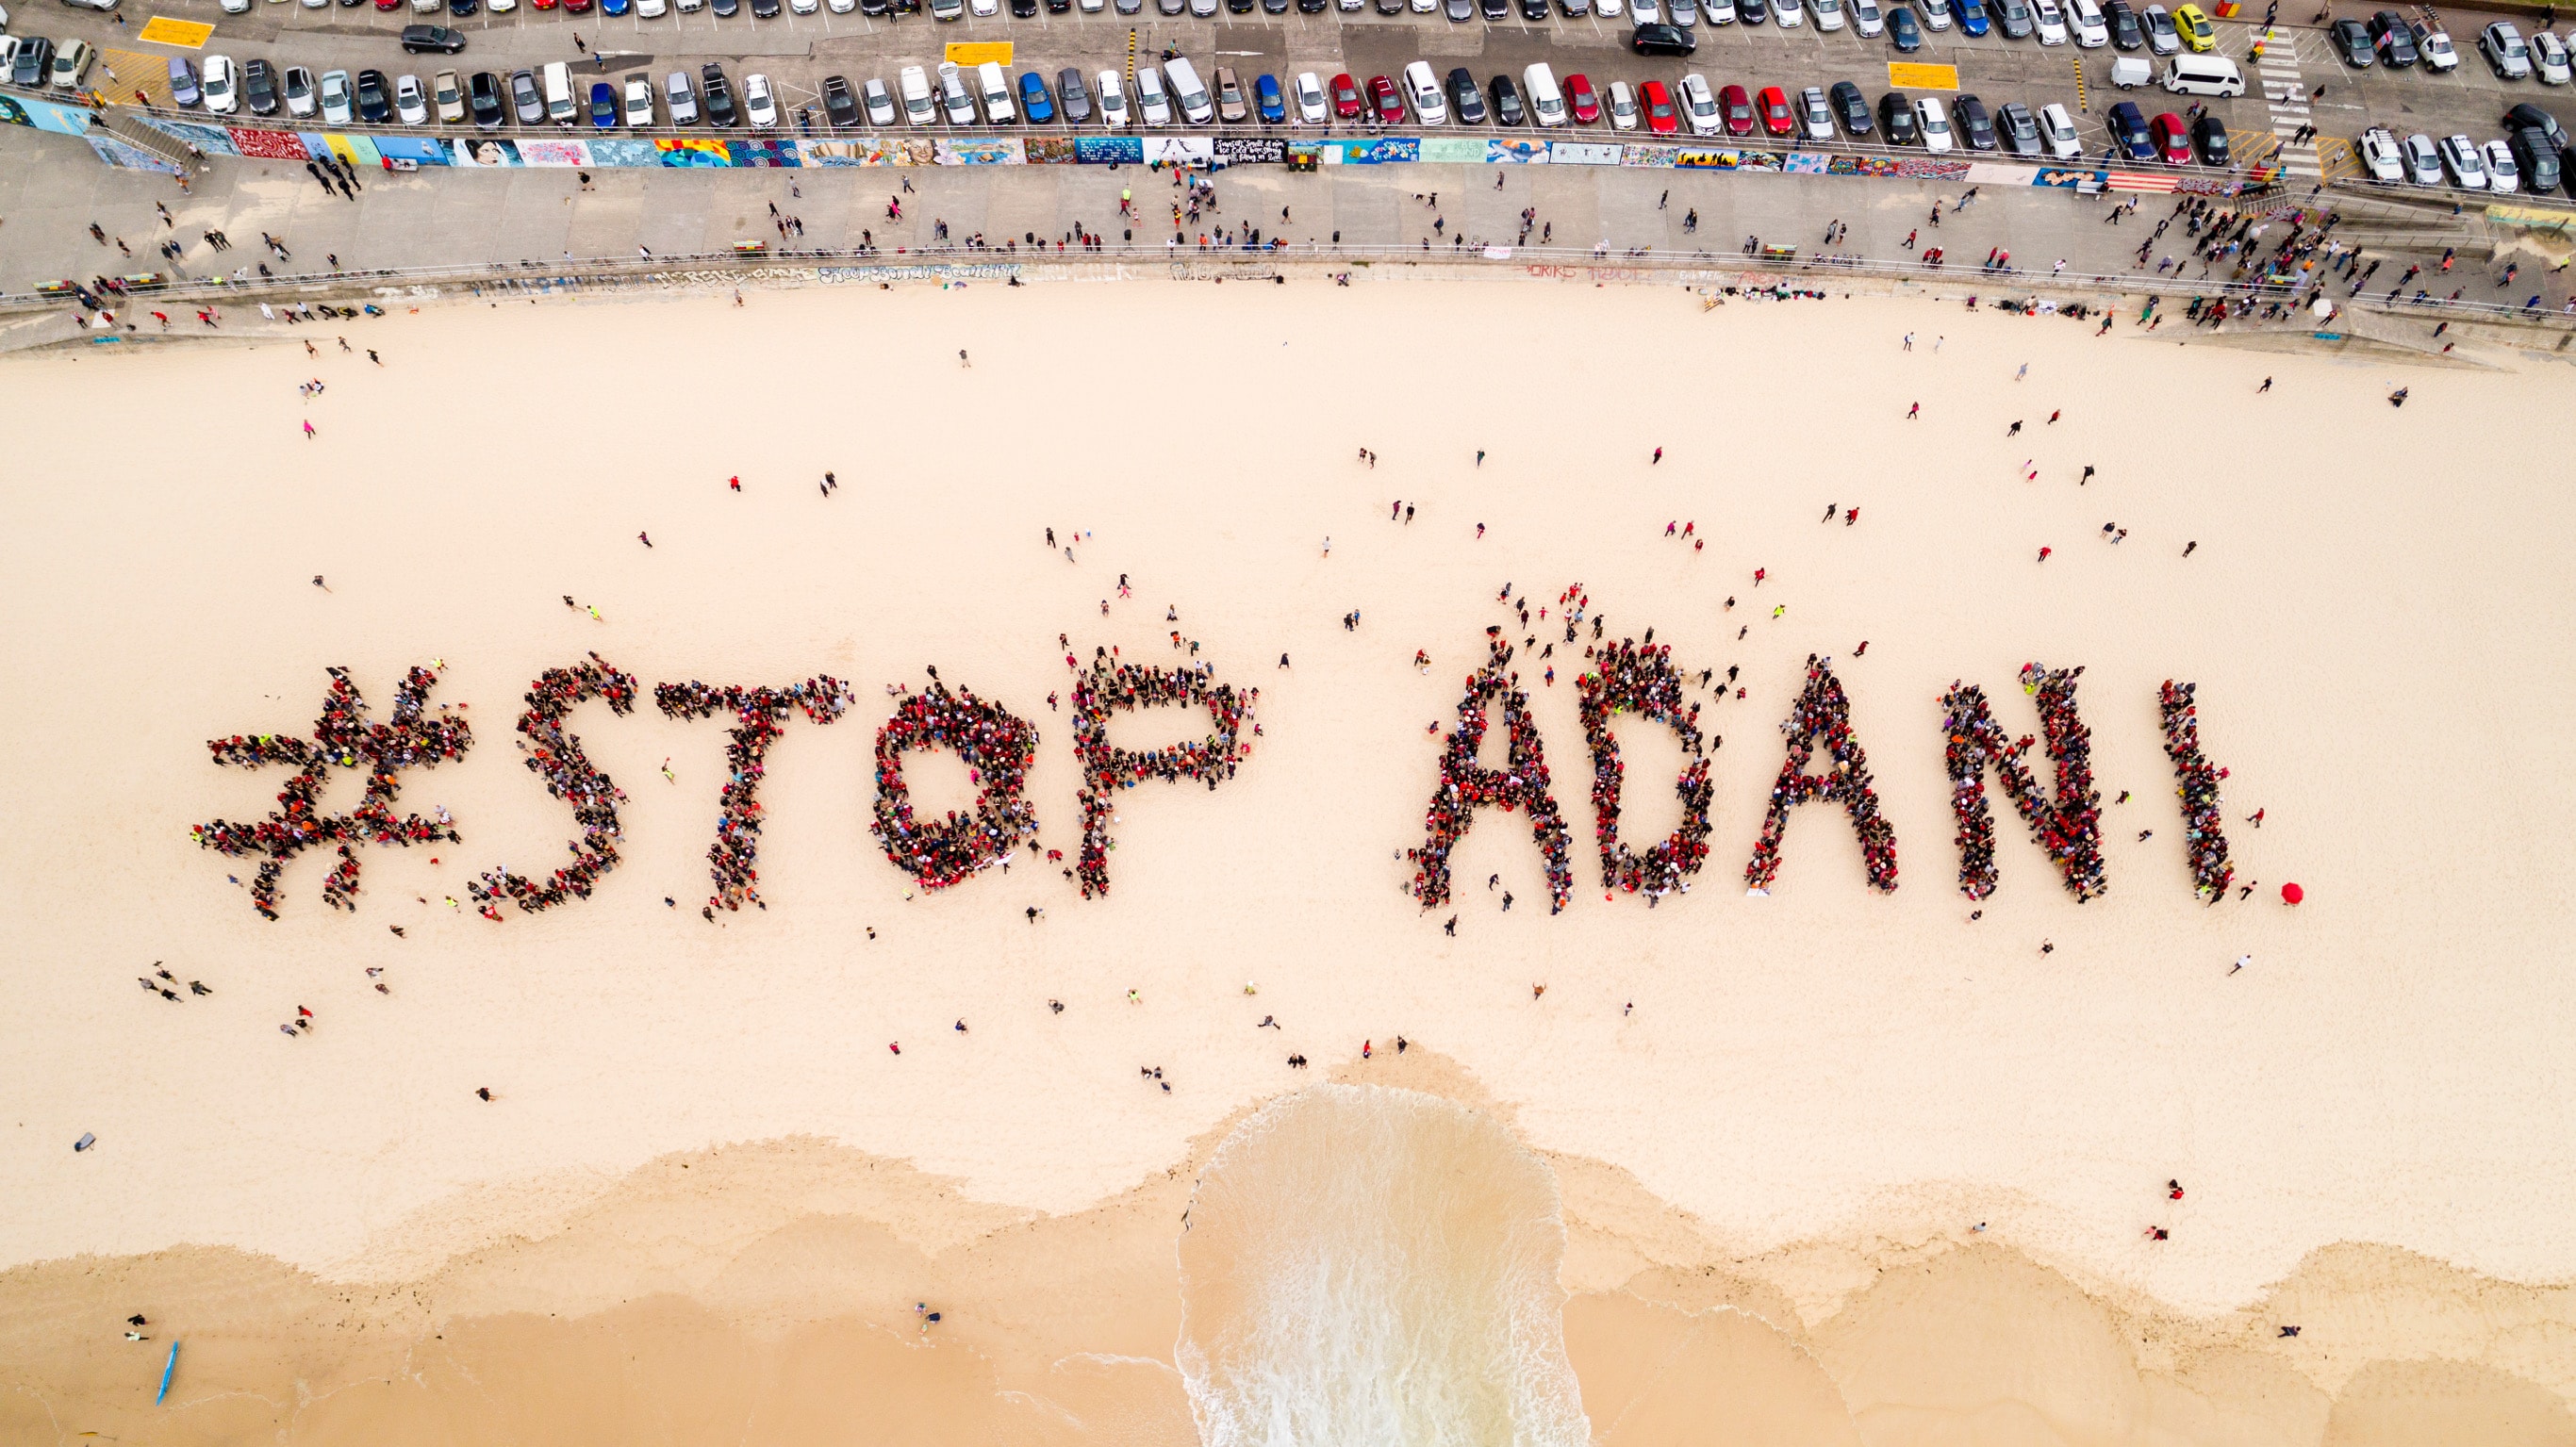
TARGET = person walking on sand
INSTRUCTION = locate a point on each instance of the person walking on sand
(2014, 430)
(1659, 457)
(2044, 552)
(1914, 411)
(2023, 373)
(645, 538)
(734, 482)
(308, 429)
(961, 358)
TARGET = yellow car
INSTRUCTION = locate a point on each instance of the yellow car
(2195, 29)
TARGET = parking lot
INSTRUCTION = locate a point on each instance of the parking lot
(797, 51)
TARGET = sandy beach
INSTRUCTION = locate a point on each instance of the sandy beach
(1831, 1164)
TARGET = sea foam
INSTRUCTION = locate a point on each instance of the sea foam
(1367, 1266)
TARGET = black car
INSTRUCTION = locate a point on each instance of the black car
(1662, 40)
(483, 99)
(1533, 11)
(1752, 12)
(2396, 42)
(728, 8)
(1896, 118)
(2018, 129)
(417, 39)
(1508, 110)
(259, 87)
(2209, 138)
(876, 7)
(2527, 116)
(1903, 32)
(718, 97)
(36, 54)
(2352, 42)
(1268, 7)
(2535, 158)
(840, 107)
(1495, 9)
(764, 9)
(1466, 102)
(1968, 117)
(2012, 17)
(1310, 7)
(2125, 31)
(1073, 96)
(1239, 7)
(1850, 107)
(462, 8)
(375, 106)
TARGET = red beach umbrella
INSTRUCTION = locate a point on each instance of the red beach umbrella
(2292, 894)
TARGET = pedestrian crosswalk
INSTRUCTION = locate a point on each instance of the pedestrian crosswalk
(2285, 92)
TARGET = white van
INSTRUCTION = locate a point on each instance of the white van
(1422, 92)
(918, 108)
(559, 103)
(2203, 75)
(1546, 102)
(995, 88)
(1187, 93)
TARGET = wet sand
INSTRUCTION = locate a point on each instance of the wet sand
(1815, 1098)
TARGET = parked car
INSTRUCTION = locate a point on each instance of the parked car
(1581, 100)
(876, 103)
(297, 90)
(1114, 114)
(2351, 42)
(1815, 118)
(2057, 132)
(2548, 58)
(2018, 130)
(2506, 55)
(718, 91)
(2162, 37)
(2128, 128)
(2193, 28)
(2171, 139)
(1868, 21)
(759, 104)
(2466, 163)
(1037, 105)
(1699, 106)
(184, 90)
(840, 103)
(2382, 160)
(221, 85)
(603, 106)
(1902, 32)
(1896, 119)
(411, 102)
(1851, 108)
(1312, 105)
(1345, 98)
(2526, 116)
(2423, 160)
(1663, 118)
(1735, 109)
(375, 99)
(1509, 108)
(2209, 138)
(1620, 102)
(2048, 22)
(638, 111)
(1932, 124)
(2396, 43)
(483, 100)
(2126, 31)
(2092, 31)
(2536, 160)
(2435, 48)
(2502, 173)
(1384, 101)
(1976, 129)
(680, 97)
(1972, 18)
(1229, 97)
(1773, 106)
(1267, 102)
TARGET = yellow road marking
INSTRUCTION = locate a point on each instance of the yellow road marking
(1914, 75)
(162, 30)
(976, 52)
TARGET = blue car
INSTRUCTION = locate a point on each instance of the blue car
(1036, 106)
(1972, 18)
(612, 7)
(1903, 32)
(2129, 133)
(1265, 95)
(603, 105)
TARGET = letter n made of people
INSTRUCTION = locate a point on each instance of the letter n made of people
(2066, 823)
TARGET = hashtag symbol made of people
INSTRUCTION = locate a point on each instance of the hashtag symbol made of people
(344, 737)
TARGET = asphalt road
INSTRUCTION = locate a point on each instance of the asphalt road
(796, 51)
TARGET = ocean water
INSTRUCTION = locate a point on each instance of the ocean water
(1376, 1268)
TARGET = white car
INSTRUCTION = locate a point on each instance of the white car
(877, 103)
(1700, 107)
(1815, 117)
(220, 84)
(500, 7)
(2091, 31)
(2506, 54)
(236, 7)
(2050, 21)
(1936, 14)
(652, 9)
(1716, 12)
(1422, 92)
(1090, 7)
(1645, 12)
(2057, 129)
(2380, 157)
(2502, 173)
(1310, 99)
(410, 103)
(1152, 105)
(2423, 160)
(954, 101)
(758, 103)
(335, 97)
(1789, 13)
(2548, 58)
(296, 86)
(1607, 8)
(844, 7)
(1113, 101)
(1622, 105)
(2466, 163)
(1867, 20)
(1829, 14)
(804, 7)
(423, 7)
(2434, 46)
(1934, 125)
(985, 9)
(639, 103)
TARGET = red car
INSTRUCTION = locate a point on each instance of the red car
(1580, 99)
(577, 7)
(2172, 138)
(1346, 98)
(1384, 99)
(1737, 108)
(1775, 112)
(1658, 104)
